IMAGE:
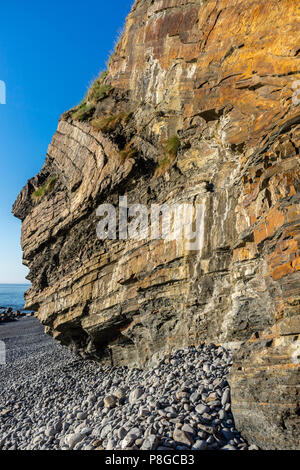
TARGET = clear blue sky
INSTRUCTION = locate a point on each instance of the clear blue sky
(50, 50)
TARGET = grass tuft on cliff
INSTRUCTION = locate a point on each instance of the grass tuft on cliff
(83, 111)
(45, 189)
(171, 148)
(129, 151)
(97, 91)
(108, 124)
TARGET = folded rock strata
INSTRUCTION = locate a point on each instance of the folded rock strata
(221, 75)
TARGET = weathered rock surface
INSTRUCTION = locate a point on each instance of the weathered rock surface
(221, 75)
(265, 388)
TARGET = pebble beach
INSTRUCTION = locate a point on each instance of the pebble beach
(50, 399)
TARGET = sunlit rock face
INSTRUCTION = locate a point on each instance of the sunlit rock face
(222, 76)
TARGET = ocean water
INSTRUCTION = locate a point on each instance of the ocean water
(12, 295)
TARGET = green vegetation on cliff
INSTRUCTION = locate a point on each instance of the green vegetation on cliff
(97, 91)
(171, 148)
(129, 151)
(107, 124)
(45, 189)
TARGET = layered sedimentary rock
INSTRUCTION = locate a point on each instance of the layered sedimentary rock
(223, 77)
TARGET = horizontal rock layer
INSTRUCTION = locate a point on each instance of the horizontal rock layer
(221, 76)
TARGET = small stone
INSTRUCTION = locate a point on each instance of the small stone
(110, 444)
(195, 397)
(135, 394)
(199, 445)
(81, 415)
(105, 431)
(91, 399)
(182, 437)
(135, 432)
(253, 447)
(210, 439)
(150, 443)
(96, 443)
(122, 432)
(180, 395)
(110, 401)
(120, 393)
(201, 409)
(86, 430)
(188, 428)
(206, 428)
(127, 441)
(225, 397)
(50, 432)
(72, 439)
(228, 447)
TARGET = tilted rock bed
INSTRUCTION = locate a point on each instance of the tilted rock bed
(51, 400)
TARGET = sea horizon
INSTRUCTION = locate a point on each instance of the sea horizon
(14, 284)
(12, 295)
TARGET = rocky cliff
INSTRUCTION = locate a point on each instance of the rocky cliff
(218, 78)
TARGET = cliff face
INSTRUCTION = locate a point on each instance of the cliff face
(221, 76)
